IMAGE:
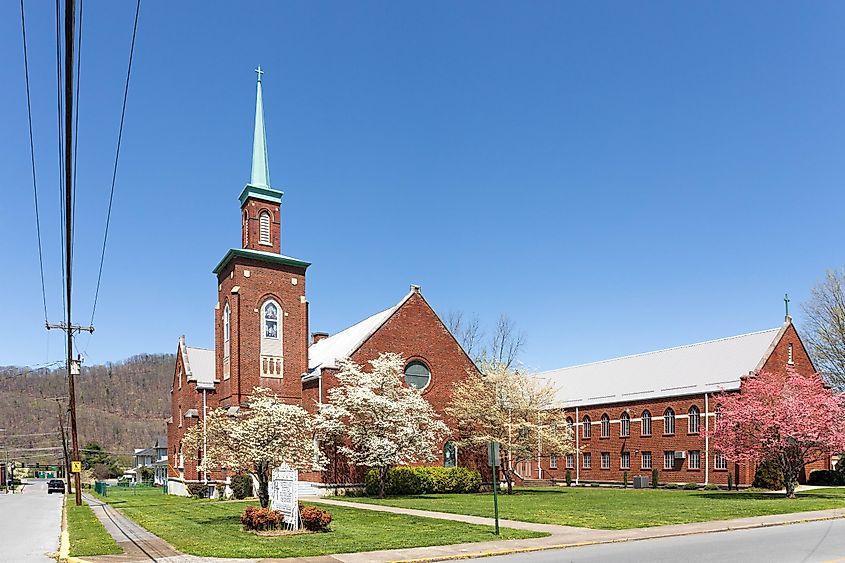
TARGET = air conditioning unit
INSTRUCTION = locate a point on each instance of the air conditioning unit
(680, 455)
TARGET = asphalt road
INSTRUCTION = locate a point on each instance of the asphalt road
(30, 524)
(813, 542)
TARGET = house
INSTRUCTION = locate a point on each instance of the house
(154, 457)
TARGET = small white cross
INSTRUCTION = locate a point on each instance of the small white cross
(259, 72)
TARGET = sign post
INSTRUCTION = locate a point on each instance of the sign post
(284, 495)
(493, 460)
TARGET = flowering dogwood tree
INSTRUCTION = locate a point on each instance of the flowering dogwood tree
(376, 420)
(516, 410)
(789, 419)
(257, 439)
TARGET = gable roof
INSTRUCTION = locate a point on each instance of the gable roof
(705, 367)
(199, 363)
(327, 352)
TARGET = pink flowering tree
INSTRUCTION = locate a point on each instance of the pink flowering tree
(789, 419)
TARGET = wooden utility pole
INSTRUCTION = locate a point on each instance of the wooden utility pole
(68, 473)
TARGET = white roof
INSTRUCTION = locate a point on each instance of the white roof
(695, 368)
(326, 352)
(199, 364)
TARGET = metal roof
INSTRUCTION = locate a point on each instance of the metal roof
(704, 367)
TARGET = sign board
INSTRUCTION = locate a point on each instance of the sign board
(493, 459)
(76, 467)
(284, 495)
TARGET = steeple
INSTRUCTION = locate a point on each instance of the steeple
(260, 163)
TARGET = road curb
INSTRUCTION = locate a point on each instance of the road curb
(460, 556)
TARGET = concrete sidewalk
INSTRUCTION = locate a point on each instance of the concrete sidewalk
(140, 545)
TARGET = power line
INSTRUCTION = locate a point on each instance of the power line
(60, 112)
(32, 159)
(116, 157)
(76, 124)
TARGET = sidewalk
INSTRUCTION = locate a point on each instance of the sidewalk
(140, 545)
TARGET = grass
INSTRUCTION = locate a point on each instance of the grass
(616, 509)
(212, 528)
(87, 535)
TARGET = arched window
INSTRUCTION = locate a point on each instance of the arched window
(646, 424)
(605, 426)
(450, 454)
(264, 227)
(570, 423)
(669, 421)
(246, 228)
(694, 420)
(625, 425)
(586, 431)
(271, 339)
(417, 374)
(226, 331)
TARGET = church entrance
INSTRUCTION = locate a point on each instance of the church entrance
(523, 469)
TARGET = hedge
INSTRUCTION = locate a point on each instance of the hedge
(826, 477)
(425, 480)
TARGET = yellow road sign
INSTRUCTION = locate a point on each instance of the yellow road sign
(76, 467)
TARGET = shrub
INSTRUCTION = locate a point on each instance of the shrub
(568, 477)
(655, 474)
(424, 480)
(711, 487)
(671, 486)
(315, 518)
(826, 477)
(241, 486)
(730, 480)
(691, 487)
(624, 479)
(260, 519)
(197, 490)
(768, 476)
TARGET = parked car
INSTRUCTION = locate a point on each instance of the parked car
(55, 486)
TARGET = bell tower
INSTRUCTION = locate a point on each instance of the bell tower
(261, 315)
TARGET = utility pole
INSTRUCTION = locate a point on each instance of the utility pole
(68, 473)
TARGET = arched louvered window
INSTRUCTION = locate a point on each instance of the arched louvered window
(625, 425)
(226, 330)
(605, 426)
(646, 424)
(669, 421)
(586, 430)
(694, 420)
(264, 227)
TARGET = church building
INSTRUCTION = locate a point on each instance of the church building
(261, 328)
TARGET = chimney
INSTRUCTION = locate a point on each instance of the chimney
(415, 288)
(317, 336)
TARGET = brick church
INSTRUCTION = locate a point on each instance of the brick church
(261, 329)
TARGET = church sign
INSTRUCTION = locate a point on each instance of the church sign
(284, 495)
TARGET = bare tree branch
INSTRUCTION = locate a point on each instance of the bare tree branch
(825, 318)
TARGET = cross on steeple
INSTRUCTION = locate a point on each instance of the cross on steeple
(259, 72)
(786, 304)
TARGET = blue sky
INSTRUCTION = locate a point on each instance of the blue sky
(617, 177)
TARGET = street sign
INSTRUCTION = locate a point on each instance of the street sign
(493, 459)
(76, 467)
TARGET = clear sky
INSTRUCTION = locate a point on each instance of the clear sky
(616, 176)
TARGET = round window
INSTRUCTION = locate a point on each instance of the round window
(417, 374)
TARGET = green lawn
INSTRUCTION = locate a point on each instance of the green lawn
(86, 533)
(615, 509)
(213, 528)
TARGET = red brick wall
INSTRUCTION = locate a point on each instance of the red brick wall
(265, 281)
(417, 333)
(183, 398)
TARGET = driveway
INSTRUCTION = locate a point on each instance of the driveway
(30, 523)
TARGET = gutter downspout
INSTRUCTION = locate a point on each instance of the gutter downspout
(706, 438)
(577, 448)
(204, 440)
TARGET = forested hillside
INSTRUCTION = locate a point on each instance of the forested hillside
(121, 405)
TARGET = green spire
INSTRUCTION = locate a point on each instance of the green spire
(259, 183)
(260, 163)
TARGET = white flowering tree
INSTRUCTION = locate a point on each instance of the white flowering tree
(377, 421)
(257, 439)
(518, 411)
